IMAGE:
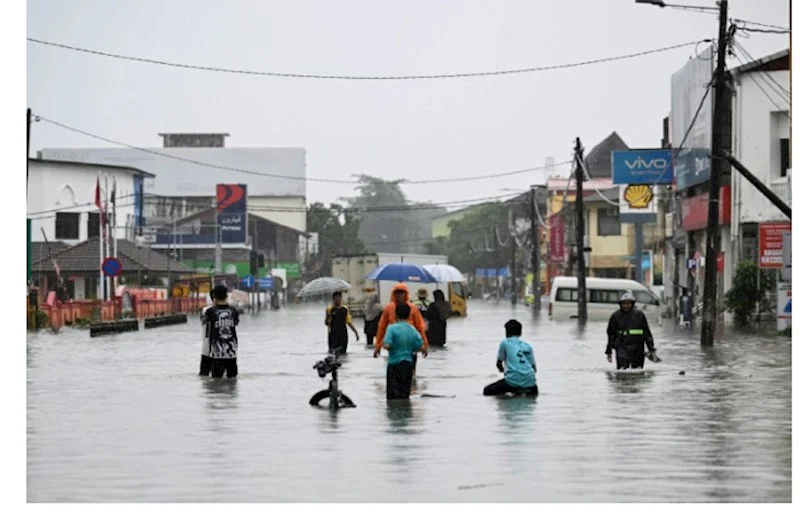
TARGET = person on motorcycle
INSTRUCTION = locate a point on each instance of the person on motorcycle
(628, 333)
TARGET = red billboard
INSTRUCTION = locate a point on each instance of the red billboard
(770, 243)
(557, 239)
(695, 210)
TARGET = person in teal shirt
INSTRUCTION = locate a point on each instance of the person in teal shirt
(520, 365)
(403, 342)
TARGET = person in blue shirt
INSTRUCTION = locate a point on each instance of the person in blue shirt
(520, 365)
(402, 341)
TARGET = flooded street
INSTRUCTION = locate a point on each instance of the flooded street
(126, 419)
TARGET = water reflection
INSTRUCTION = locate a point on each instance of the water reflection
(221, 392)
(516, 411)
(629, 382)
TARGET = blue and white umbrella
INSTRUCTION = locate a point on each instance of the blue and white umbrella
(402, 272)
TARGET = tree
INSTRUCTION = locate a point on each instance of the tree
(745, 294)
(390, 222)
(338, 231)
(480, 239)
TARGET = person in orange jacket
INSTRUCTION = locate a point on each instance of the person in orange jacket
(400, 294)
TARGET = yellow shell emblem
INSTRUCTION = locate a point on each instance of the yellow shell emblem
(638, 196)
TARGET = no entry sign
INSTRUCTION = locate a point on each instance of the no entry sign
(112, 267)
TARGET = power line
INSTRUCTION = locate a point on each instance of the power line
(758, 24)
(773, 84)
(358, 77)
(289, 177)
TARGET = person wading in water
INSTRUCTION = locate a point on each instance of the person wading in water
(337, 319)
(400, 295)
(438, 312)
(372, 315)
(628, 333)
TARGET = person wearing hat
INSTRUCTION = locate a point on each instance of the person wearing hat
(422, 303)
(628, 333)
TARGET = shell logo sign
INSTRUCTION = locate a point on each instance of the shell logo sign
(636, 198)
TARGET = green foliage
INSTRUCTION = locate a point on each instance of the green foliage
(476, 239)
(338, 235)
(390, 222)
(744, 296)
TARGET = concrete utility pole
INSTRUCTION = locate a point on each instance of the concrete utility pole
(581, 227)
(537, 299)
(708, 326)
(512, 219)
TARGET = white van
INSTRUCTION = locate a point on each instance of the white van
(602, 298)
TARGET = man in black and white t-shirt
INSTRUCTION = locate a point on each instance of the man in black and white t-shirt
(221, 321)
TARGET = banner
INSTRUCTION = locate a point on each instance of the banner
(636, 198)
(557, 239)
(770, 244)
(232, 213)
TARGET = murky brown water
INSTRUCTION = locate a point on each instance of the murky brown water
(126, 419)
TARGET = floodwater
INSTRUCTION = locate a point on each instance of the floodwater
(125, 418)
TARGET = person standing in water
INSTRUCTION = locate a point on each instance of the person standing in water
(337, 319)
(372, 315)
(205, 357)
(628, 333)
(438, 313)
(221, 322)
(403, 342)
(400, 295)
(423, 305)
(515, 360)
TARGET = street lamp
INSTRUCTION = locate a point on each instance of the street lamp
(660, 3)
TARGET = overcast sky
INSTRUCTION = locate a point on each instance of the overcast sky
(421, 129)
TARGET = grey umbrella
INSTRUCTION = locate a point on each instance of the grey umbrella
(323, 286)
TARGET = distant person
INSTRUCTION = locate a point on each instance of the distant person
(423, 305)
(205, 357)
(372, 316)
(516, 361)
(628, 333)
(337, 319)
(400, 296)
(438, 313)
(403, 341)
(221, 322)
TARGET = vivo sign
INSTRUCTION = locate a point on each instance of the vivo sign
(642, 166)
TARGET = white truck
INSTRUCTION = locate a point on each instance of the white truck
(354, 269)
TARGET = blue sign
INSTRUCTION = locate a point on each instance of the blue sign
(788, 308)
(111, 267)
(692, 167)
(247, 281)
(491, 272)
(480, 272)
(265, 283)
(503, 272)
(691, 264)
(646, 261)
(232, 213)
(642, 166)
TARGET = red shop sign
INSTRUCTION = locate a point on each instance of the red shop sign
(695, 210)
(770, 244)
(557, 240)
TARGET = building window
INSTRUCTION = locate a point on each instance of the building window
(608, 222)
(785, 157)
(93, 225)
(68, 226)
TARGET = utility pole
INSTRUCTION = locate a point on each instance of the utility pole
(581, 227)
(512, 219)
(708, 326)
(537, 299)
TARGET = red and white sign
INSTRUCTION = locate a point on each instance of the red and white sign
(770, 244)
(557, 239)
(720, 262)
(695, 210)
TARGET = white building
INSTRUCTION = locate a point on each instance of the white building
(760, 141)
(61, 199)
(188, 175)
